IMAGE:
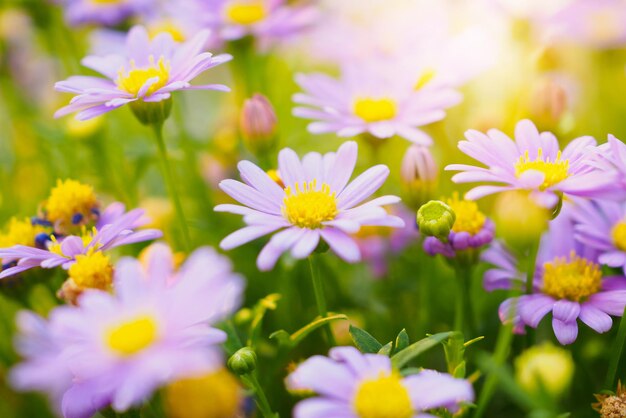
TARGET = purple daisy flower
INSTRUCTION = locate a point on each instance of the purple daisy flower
(267, 20)
(80, 12)
(64, 251)
(117, 349)
(364, 100)
(611, 159)
(315, 201)
(148, 71)
(568, 282)
(533, 161)
(349, 384)
(601, 224)
(471, 231)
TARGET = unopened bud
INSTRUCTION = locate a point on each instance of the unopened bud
(243, 361)
(257, 122)
(520, 220)
(419, 175)
(151, 113)
(549, 102)
(544, 368)
(436, 219)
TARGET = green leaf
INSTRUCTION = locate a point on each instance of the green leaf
(386, 349)
(291, 341)
(418, 348)
(364, 341)
(402, 341)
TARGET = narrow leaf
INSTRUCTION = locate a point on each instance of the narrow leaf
(416, 349)
(364, 341)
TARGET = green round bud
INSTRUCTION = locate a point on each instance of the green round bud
(243, 361)
(436, 219)
(151, 113)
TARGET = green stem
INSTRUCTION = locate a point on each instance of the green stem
(464, 320)
(320, 299)
(530, 269)
(168, 175)
(617, 352)
(505, 337)
(259, 396)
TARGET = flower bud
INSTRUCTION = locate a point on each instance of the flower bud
(520, 220)
(544, 367)
(257, 122)
(548, 103)
(243, 361)
(436, 219)
(419, 174)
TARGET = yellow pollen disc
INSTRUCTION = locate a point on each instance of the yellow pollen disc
(131, 337)
(70, 198)
(246, 12)
(92, 270)
(618, 233)
(554, 171)
(385, 397)
(425, 78)
(20, 232)
(468, 217)
(307, 206)
(166, 26)
(574, 279)
(134, 80)
(375, 110)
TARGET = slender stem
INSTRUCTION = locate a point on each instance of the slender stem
(617, 352)
(505, 337)
(320, 299)
(464, 320)
(530, 270)
(168, 175)
(260, 398)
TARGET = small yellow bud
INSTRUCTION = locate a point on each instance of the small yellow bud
(520, 221)
(545, 367)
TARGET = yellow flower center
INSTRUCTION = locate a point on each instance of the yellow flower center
(92, 270)
(20, 232)
(618, 233)
(246, 12)
(133, 336)
(215, 395)
(166, 26)
(68, 199)
(554, 171)
(375, 110)
(574, 279)
(134, 80)
(425, 78)
(385, 397)
(307, 206)
(468, 217)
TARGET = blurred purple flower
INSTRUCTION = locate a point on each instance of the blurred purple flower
(315, 202)
(80, 12)
(147, 72)
(533, 161)
(367, 385)
(117, 349)
(366, 100)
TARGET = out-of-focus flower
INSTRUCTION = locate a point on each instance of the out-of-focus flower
(419, 174)
(596, 23)
(534, 162)
(377, 244)
(64, 252)
(119, 348)
(268, 21)
(611, 405)
(568, 282)
(611, 159)
(78, 12)
(144, 76)
(471, 231)
(601, 224)
(70, 205)
(21, 232)
(257, 122)
(548, 102)
(213, 395)
(370, 387)
(317, 202)
(365, 100)
(520, 220)
(544, 367)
